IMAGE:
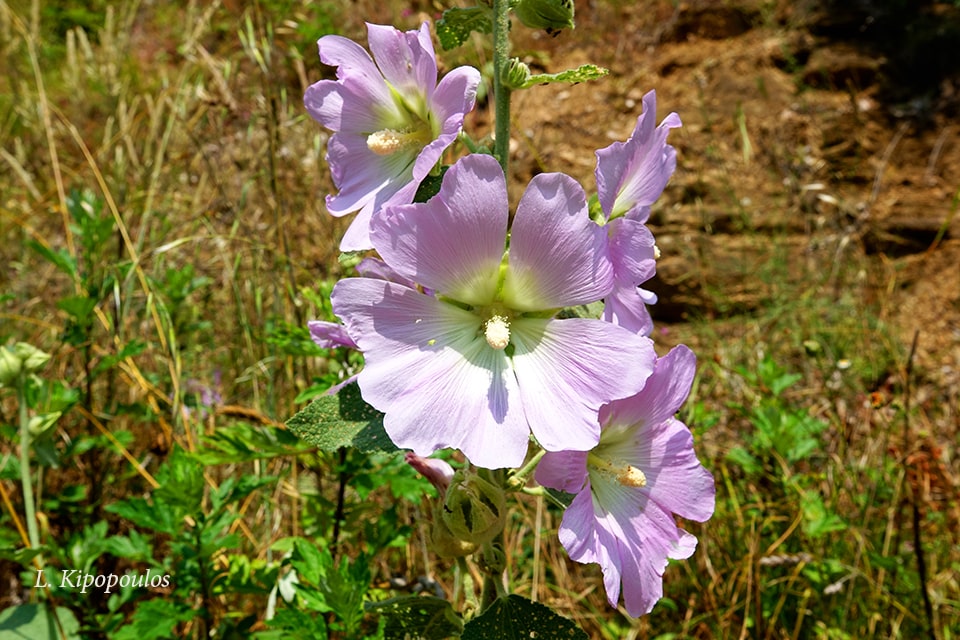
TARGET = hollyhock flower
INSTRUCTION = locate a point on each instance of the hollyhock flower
(630, 177)
(391, 120)
(630, 486)
(477, 361)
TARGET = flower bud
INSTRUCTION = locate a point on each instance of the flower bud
(9, 366)
(549, 15)
(442, 540)
(474, 509)
(437, 471)
(515, 74)
(32, 358)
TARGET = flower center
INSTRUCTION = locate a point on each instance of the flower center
(626, 474)
(497, 332)
(387, 142)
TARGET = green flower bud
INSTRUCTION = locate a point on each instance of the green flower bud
(515, 74)
(9, 366)
(32, 358)
(38, 425)
(474, 509)
(549, 15)
(442, 540)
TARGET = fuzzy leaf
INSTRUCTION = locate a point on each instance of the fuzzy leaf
(424, 617)
(342, 420)
(457, 24)
(516, 618)
(582, 73)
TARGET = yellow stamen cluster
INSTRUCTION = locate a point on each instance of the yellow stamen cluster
(389, 141)
(497, 332)
(626, 474)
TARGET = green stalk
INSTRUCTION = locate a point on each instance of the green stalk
(28, 506)
(501, 94)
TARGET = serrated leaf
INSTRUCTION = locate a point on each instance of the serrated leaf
(424, 617)
(516, 618)
(342, 420)
(583, 73)
(457, 24)
(243, 442)
(57, 257)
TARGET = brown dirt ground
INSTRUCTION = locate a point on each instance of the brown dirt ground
(835, 170)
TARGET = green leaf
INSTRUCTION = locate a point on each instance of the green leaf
(457, 24)
(58, 258)
(583, 73)
(38, 622)
(243, 442)
(424, 617)
(516, 618)
(430, 186)
(342, 420)
(156, 619)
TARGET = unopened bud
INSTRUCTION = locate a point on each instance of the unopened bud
(9, 366)
(437, 471)
(32, 358)
(474, 509)
(549, 15)
(443, 542)
(515, 74)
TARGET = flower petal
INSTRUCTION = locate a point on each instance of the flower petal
(634, 173)
(330, 335)
(661, 398)
(632, 251)
(568, 368)
(429, 369)
(563, 470)
(453, 243)
(407, 59)
(558, 255)
(452, 100)
(625, 306)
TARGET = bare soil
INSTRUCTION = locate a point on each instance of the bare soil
(799, 139)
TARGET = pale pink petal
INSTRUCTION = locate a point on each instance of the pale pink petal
(665, 392)
(634, 173)
(563, 470)
(330, 335)
(558, 255)
(428, 368)
(625, 306)
(568, 368)
(406, 59)
(453, 243)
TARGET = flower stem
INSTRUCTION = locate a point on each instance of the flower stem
(518, 478)
(501, 94)
(28, 506)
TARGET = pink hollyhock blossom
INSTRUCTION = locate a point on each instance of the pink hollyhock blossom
(630, 177)
(391, 120)
(630, 486)
(481, 362)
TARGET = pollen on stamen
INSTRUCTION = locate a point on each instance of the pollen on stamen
(630, 476)
(387, 142)
(656, 252)
(497, 332)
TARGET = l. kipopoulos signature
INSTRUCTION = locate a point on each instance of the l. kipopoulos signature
(76, 579)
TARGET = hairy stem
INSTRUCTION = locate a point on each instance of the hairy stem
(28, 506)
(501, 94)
